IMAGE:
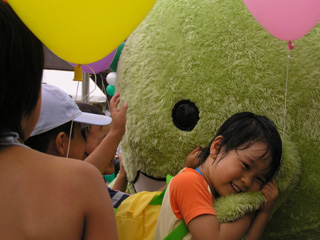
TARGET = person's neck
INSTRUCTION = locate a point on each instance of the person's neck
(206, 175)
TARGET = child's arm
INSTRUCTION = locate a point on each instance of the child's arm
(121, 180)
(191, 200)
(208, 227)
(106, 150)
(270, 191)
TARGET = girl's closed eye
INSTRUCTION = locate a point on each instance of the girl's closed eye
(246, 165)
(260, 180)
(84, 133)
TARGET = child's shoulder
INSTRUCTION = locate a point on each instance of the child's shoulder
(187, 176)
(188, 172)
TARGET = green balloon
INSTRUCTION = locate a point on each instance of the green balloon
(114, 64)
(110, 90)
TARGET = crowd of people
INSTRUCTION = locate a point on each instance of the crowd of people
(47, 193)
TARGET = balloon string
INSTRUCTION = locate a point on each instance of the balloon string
(70, 133)
(107, 101)
(95, 85)
(285, 96)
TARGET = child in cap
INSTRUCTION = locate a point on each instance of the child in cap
(42, 196)
(60, 117)
(94, 135)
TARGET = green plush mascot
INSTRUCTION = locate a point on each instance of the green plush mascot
(209, 59)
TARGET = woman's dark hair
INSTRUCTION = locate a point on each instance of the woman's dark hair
(21, 66)
(243, 130)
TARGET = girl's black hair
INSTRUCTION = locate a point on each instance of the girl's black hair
(21, 66)
(243, 130)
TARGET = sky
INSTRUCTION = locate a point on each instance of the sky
(64, 81)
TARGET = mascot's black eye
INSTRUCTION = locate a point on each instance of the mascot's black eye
(185, 115)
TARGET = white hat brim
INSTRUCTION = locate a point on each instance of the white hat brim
(93, 119)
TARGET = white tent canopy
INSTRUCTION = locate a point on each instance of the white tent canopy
(64, 81)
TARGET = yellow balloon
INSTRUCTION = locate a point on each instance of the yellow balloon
(82, 31)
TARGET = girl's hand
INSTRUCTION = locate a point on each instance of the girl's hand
(192, 159)
(118, 114)
(271, 193)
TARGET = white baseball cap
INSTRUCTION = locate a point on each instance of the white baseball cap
(58, 108)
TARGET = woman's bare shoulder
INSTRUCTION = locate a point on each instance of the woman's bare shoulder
(76, 169)
(24, 160)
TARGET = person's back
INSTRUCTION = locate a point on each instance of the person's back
(42, 196)
(46, 197)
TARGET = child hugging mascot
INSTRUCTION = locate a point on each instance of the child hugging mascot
(193, 63)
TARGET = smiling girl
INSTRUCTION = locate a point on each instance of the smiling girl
(244, 156)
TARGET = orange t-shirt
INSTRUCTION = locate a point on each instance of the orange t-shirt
(187, 196)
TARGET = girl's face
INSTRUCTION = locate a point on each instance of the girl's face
(238, 171)
(94, 137)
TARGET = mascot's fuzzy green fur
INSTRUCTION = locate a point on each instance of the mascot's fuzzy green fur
(214, 54)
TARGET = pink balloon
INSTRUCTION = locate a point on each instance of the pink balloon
(285, 19)
(100, 65)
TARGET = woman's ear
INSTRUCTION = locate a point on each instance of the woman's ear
(215, 146)
(61, 144)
